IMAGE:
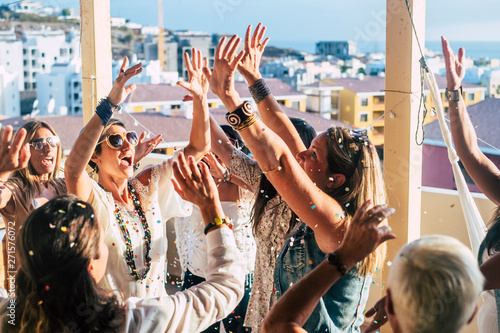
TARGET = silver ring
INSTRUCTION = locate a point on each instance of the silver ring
(375, 309)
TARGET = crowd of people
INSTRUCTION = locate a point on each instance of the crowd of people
(279, 229)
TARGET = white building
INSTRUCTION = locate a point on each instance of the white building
(44, 48)
(60, 91)
(11, 55)
(118, 21)
(491, 80)
(10, 105)
(151, 72)
(28, 7)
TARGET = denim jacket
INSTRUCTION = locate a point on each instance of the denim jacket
(341, 308)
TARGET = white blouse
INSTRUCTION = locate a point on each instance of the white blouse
(194, 309)
(191, 243)
(159, 202)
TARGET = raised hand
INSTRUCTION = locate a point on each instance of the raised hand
(225, 63)
(380, 317)
(119, 92)
(143, 148)
(217, 168)
(198, 82)
(254, 47)
(13, 156)
(364, 235)
(194, 184)
(455, 70)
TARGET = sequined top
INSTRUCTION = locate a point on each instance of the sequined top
(270, 238)
(159, 202)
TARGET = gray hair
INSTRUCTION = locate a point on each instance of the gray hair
(435, 283)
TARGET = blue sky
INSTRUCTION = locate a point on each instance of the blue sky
(310, 20)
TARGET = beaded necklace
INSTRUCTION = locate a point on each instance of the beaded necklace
(129, 253)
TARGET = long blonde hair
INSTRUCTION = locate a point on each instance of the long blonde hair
(357, 159)
(27, 178)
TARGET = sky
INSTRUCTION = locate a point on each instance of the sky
(310, 21)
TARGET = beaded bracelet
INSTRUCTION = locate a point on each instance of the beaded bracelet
(259, 90)
(333, 259)
(242, 117)
(105, 110)
(217, 222)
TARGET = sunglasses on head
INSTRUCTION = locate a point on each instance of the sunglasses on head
(39, 144)
(116, 140)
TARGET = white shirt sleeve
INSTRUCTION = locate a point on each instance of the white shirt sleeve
(198, 307)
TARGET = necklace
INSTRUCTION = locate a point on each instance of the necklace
(129, 253)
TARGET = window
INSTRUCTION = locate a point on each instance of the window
(25, 85)
(25, 74)
(63, 52)
(471, 96)
(24, 51)
(76, 84)
(33, 75)
(363, 101)
(33, 52)
(363, 117)
(43, 55)
(77, 109)
(33, 62)
(75, 96)
(34, 84)
(43, 66)
(25, 62)
(211, 52)
(50, 84)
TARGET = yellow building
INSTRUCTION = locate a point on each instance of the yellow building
(362, 102)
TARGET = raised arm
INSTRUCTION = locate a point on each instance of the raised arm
(312, 205)
(77, 179)
(362, 238)
(199, 140)
(481, 169)
(269, 109)
(13, 156)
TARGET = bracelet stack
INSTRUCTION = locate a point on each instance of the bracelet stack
(105, 110)
(217, 222)
(227, 176)
(242, 117)
(259, 90)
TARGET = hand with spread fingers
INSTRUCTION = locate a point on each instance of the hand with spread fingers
(455, 70)
(198, 81)
(225, 63)
(254, 47)
(119, 92)
(364, 235)
(15, 155)
(194, 184)
(143, 148)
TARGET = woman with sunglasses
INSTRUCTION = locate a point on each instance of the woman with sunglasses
(133, 211)
(57, 288)
(24, 188)
(324, 185)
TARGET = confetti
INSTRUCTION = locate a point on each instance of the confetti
(81, 205)
(52, 226)
(72, 244)
(347, 189)
(64, 229)
(313, 206)
(61, 211)
(31, 253)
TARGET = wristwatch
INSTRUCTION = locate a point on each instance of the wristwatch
(453, 95)
(333, 259)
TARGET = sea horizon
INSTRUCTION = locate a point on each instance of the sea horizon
(473, 49)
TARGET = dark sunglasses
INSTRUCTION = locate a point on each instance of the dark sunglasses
(39, 144)
(116, 140)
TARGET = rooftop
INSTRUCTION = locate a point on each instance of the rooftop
(376, 84)
(172, 128)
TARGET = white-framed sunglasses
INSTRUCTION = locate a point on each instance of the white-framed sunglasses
(39, 144)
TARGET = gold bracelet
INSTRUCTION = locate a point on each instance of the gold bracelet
(249, 122)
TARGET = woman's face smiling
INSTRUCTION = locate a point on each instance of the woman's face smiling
(116, 162)
(43, 161)
(314, 161)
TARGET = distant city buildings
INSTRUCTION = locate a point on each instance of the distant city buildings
(340, 49)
